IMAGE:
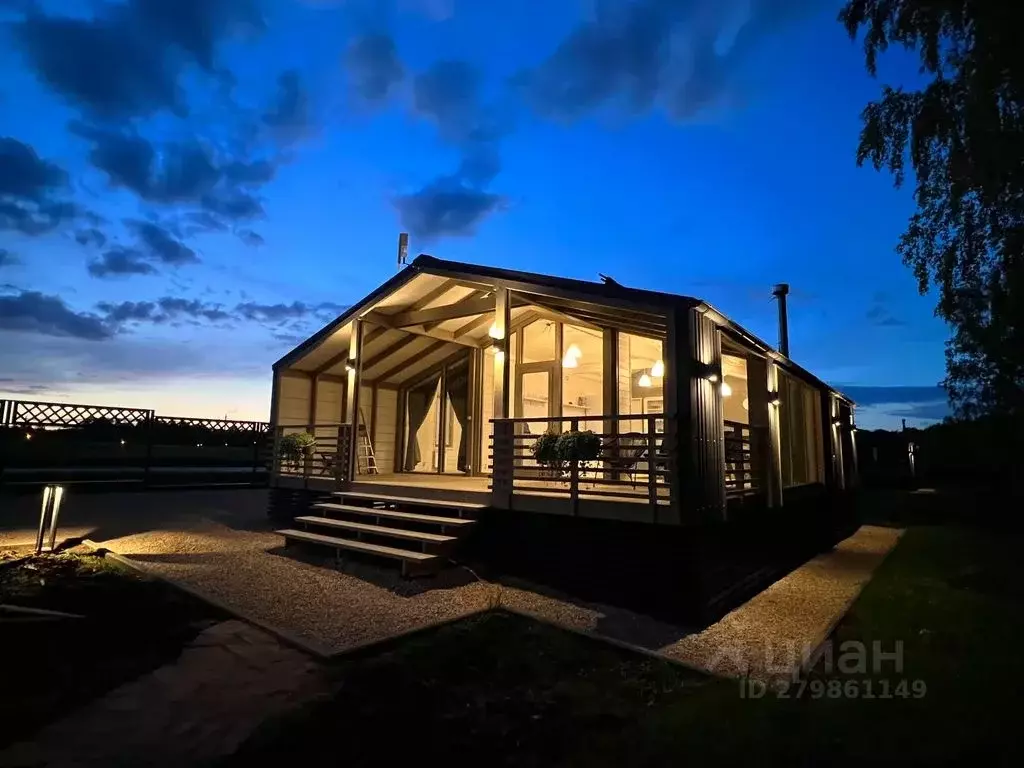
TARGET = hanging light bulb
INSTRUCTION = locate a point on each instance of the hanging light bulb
(574, 351)
(570, 360)
(659, 369)
(495, 332)
(726, 389)
(645, 380)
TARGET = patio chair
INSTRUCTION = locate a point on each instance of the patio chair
(622, 453)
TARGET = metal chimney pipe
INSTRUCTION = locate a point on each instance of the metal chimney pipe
(780, 292)
(403, 249)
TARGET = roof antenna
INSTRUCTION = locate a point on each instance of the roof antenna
(780, 292)
(608, 279)
(403, 249)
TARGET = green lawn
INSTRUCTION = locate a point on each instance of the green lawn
(502, 690)
(130, 626)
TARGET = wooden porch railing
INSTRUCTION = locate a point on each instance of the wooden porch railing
(633, 465)
(329, 458)
(745, 453)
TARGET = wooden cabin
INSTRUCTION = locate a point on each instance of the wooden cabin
(438, 386)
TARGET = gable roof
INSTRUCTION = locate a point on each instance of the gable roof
(608, 293)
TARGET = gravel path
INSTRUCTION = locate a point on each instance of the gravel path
(328, 609)
(220, 544)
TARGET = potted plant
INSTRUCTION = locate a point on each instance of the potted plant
(297, 446)
(545, 453)
(579, 448)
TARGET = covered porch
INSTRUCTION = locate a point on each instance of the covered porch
(441, 382)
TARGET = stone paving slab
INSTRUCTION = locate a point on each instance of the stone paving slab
(227, 681)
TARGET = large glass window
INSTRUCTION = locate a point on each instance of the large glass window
(800, 428)
(582, 374)
(641, 378)
(735, 395)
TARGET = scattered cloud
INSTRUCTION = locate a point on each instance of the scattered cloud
(160, 245)
(276, 314)
(289, 116)
(373, 67)
(448, 206)
(448, 94)
(165, 310)
(31, 190)
(879, 314)
(120, 262)
(250, 238)
(125, 59)
(234, 205)
(8, 258)
(680, 55)
(91, 237)
(35, 312)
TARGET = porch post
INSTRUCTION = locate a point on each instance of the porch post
(354, 375)
(774, 436)
(828, 445)
(610, 388)
(760, 423)
(275, 437)
(502, 322)
(693, 408)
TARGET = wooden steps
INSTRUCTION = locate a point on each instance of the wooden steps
(418, 533)
(378, 530)
(413, 563)
(401, 501)
(394, 514)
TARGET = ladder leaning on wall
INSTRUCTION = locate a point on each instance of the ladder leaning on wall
(366, 464)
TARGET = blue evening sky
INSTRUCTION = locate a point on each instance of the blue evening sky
(190, 187)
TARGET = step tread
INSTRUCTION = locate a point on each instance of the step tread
(379, 530)
(444, 503)
(393, 514)
(361, 546)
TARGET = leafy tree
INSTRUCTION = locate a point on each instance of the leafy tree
(963, 134)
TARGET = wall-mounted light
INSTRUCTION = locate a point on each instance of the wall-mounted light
(499, 355)
(495, 332)
(837, 422)
(659, 369)
(726, 390)
(713, 377)
(644, 381)
(350, 365)
(775, 401)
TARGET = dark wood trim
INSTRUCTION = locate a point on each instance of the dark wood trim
(405, 363)
(610, 378)
(383, 355)
(556, 393)
(355, 380)
(464, 308)
(442, 419)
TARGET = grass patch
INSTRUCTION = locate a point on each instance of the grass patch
(131, 625)
(508, 691)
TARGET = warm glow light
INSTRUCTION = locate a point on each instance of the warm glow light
(659, 369)
(122, 442)
(713, 377)
(28, 435)
(746, 404)
(726, 390)
(495, 332)
(350, 366)
(570, 361)
(645, 380)
(500, 355)
(776, 402)
(574, 351)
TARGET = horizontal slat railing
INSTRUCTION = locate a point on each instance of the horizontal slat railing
(328, 458)
(744, 450)
(632, 465)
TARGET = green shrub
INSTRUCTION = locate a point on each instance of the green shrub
(545, 450)
(579, 446)
(296, 445)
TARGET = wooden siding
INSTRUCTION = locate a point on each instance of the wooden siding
(329, 395)
(293, 400)
(707, 421)
(387, 420)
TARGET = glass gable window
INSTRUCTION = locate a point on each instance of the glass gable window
(641, 378)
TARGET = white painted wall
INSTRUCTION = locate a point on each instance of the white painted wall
(293, 399)
(387, 417)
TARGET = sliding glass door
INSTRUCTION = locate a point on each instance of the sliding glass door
(437, 421)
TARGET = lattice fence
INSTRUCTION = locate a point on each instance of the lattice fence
(27, 413)
(219, 425)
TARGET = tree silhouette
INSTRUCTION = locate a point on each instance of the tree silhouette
(963, 134)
